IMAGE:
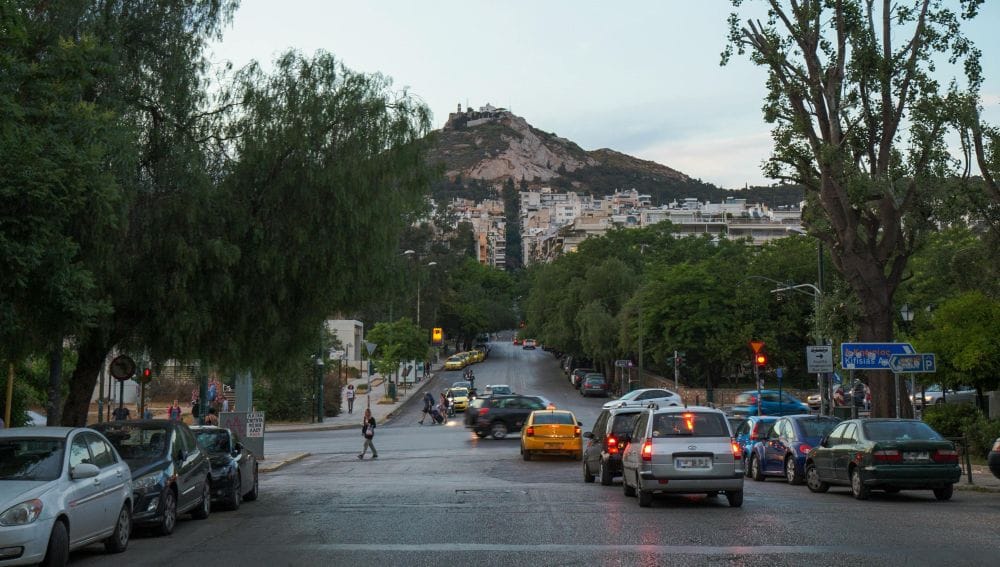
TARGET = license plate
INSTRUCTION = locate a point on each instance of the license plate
(688, 463)
(553, 445)
(915, 456)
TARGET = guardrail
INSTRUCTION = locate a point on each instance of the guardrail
(964, 461)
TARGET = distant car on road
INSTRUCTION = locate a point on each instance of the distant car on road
(751, 431)
(497, 390)
(529, 344)
(61, 488)
(783, 452)
(645, 396)
(602, 453)
(814, 401)
(550, 431)
(459, 398)
(771, 402)
(499, 415)
(234, 467)
(935, 394)
(576, 376)
(594, 385)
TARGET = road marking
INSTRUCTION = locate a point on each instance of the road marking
(574, 548)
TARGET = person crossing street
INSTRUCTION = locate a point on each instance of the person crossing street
(368, 432)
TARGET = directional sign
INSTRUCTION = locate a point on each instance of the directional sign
(624, 363)
(871, 356)
(756, 346)
(913, 363)
(819, 359)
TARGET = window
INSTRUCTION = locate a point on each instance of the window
(639, 431)
(744, 429)
(601, 425)
(554, 418)
(690, 424)
(899, 431)
(79, 454)
(850, 435)
(769, 397)
(817, 427)
(103, 456)
(836, 435)
(624, 422)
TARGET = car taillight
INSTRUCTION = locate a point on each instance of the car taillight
(530, 431)
(888, 456)
(647, 449)
(484, 411)
(945, 456)
(803, 448)
(612, 445)
(737, 450)
(576, 431)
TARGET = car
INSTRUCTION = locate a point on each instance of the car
(235, 476)
(576, 376)
(935, 394)
(518, 341)
(462, 384)
(455, 362)
(784, 450)
(551, 431)
(171, 473)
(685, 450)
(61, 488)
(884, 454)
(645, 396)
(497, 390)
(459, 398)
(751, 431)
(594, 384)
(993, 459)
(735, 421)
(814, 401)
(529, 344)
(476, 355)
(499, 415)
(485, 348)
(602, 451)
(773, 403)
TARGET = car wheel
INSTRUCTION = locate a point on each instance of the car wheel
(498, 430)
(524, 453)
(236, 498)
(578, 456)
(205, 508)
(645, 498)
(735, 498)
(480, 434)
(944, 493)
(792, 471)
(813, 481)
(629, 491)
(117, 542)
(587, 477)
(858, 488)
(169, 507)
(605, 471)
(252, 495)
(57, 552)
(755, 472)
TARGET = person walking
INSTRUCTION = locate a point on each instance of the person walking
(368, 432)
(428, 406)
(174, 412)
(350, 398)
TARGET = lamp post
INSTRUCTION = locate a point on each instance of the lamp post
(429, 264)
(318, 365)
(907, 315)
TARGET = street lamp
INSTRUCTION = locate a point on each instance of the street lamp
(429, 264)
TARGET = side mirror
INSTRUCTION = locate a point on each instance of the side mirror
(84, 470)
(579, 422)
(588, 434)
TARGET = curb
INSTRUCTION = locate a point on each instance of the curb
(266, 467)
(965, 487)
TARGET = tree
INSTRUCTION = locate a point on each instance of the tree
(398, 341)
(860, 122)
(964, 336)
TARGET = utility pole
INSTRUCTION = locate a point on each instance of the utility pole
(677, 371)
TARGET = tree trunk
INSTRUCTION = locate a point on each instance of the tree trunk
(55, 383)
(90, 358)
(876, 327)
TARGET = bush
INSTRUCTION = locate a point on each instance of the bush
(981, 433)
(951, 420)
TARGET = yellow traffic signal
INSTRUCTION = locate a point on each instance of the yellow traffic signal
(760, 358)
(437, 335)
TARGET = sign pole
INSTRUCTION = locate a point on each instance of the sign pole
(896, 391)
(756, 377)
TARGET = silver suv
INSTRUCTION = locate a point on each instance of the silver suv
(682, 450)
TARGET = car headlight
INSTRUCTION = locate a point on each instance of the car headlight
(146, 482)
(21, 514)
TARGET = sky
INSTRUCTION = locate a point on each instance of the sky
(639, 77)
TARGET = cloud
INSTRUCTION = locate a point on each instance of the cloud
(727, 161)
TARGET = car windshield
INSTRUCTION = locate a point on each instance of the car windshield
(900, 431)
(693, 424)
(500, 389)
(459, 392)
(817, 427)
(31, 459)
(462, 385)
(138, 443)
(624, 423)
(631, 395)
(554, 418)
(214, 440)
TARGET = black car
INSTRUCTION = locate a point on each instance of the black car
(602, 450)
(594, 384)
(171, 473)
(234, 468)
(993, 459)
(499, 415)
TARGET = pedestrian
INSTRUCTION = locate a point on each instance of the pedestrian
(225, 404)
(428, 406)
(443, 406)
(350, 398)
(212, 418)
(174, 412)
(121, 413)
(147, 413)
(368, 432)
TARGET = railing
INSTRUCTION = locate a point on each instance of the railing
(964, 460)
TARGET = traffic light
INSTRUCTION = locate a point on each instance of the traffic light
(437, 335)
(145, 376)
(760, 359)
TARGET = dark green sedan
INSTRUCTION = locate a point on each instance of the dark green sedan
(884, 454)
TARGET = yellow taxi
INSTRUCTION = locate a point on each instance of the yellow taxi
(455, 362)
(551, 431)
(477, 355)
(459, 398)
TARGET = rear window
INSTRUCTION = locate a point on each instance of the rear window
(692, 424)
(595, 380)
(900, 431)
(817, 427)
(553, 419)
(624, 423)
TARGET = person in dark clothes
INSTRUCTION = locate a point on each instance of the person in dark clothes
(368, 432)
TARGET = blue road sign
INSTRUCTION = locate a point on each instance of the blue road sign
(913, 363)
(871, 356)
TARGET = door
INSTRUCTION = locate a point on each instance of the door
(112, 478)
(185, 456)
(823, 458)
(844, 452)
(592, 450)
(775, 447)
(83, 496)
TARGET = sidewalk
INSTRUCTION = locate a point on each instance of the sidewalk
(982, 480)
(382, 412)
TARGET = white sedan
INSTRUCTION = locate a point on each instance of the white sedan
(61, 488)
(645, 396)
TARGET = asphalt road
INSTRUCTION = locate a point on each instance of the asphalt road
(438, 495)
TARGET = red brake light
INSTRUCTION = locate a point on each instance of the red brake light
(737, 450)
(647, 449)
(888, 456)
(484, 411)
(612, 445)
(576, 431)
(530, 431)
(803, 448)
(945, 456)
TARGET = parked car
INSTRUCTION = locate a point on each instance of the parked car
(772, 403)
(234, 467)
(646, 396)
(553, 432)
(784, 450)
(500, 415)
(459, 398)
(576, 376)
(529, 344)
(602, 451)
(814, 401)
(171, 473)
(455, 362)
(993, 459)
(518, 341)
(61, 488)
(682, 450)
(884, 454)
(935, 394)
(753, 430)
(594, 385)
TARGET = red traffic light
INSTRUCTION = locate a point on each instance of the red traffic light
(147, 373)
(760, 359)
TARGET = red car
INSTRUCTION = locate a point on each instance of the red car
(518, 341)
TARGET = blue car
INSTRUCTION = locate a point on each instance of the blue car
(753, 430)
(772, 403)
(783, 452)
